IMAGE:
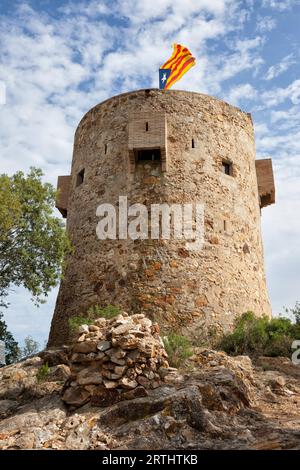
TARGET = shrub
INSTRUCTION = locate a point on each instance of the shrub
(43, 372)
(77, 321)
(110, 311)
(260, 336)
(178, 348)
(295, 312)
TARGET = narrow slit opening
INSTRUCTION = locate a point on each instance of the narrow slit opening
(80, 178)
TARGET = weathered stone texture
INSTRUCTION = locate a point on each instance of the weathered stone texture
(221, 403)
(180, 288)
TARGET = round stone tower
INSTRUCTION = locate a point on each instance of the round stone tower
(155, 147)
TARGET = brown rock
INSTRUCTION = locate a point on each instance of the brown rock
(201, 300)
(25, 441)
(134, 354)
(94, 328)
(116, 353)
(155, 384)
(125, 382)
(136, 317)
(149, 273)
(76, 396)
(131, 374)
(214, 240)
(183, 253)
(121, 329)
(120, 362)
(61, 373)
(147, 348)
(108, 365)
(156, 266)
(54, 357)
(277, 382)
(110, 384)
(110, 375)
(85, 347)
(138, 370)
(89, 376)
(163, 371)
(146, 323)
(105, 397)
(127, 342)
(137, 392)
(83, 358)
(149, 374)
(100, 322)
(142, 380)
(120, 370)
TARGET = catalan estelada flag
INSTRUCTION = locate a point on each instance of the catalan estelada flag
(179, 63)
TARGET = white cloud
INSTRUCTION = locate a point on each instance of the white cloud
(2, 93)
(280, 5)
(243, 56)
(279, 95)
(281, 67)
(240, 93)
(265, 24)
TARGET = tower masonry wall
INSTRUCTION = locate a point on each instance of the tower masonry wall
(186, 290)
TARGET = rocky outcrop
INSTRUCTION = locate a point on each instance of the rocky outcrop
(213, 402)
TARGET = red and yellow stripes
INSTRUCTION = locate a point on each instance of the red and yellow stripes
(179, 63)
(178, 52)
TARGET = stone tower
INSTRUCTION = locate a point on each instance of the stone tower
(172, 147)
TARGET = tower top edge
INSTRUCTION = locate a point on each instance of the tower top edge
(150, 92)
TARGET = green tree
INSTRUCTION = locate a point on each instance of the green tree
(33, 242)
(12, 351)
(30, 347)
(295, 312)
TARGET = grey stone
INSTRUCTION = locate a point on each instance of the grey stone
(103, 345)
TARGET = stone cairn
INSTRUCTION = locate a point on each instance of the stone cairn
(117, 359)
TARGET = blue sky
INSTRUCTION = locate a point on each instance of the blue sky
(60, 58)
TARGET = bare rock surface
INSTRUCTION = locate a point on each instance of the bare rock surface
(213, 402)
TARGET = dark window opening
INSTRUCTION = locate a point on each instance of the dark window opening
(147, 127)
(193, 144)
(80, 178)
(225, 226)
(148, 155)
(105, 149)
(227, 168)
